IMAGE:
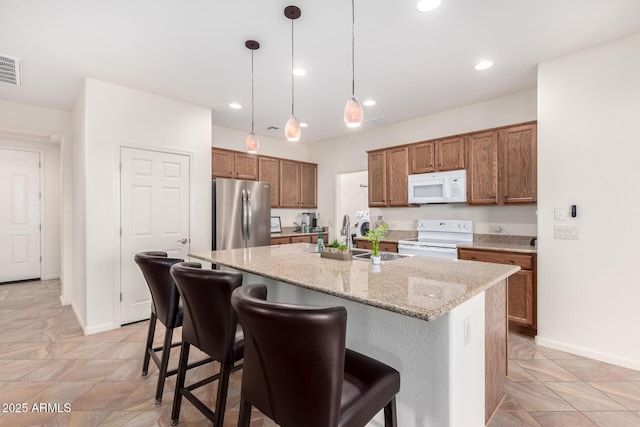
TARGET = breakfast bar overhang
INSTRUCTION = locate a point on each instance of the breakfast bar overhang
(441, 323)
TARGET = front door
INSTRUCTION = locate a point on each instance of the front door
(154, 215)
(19, 215)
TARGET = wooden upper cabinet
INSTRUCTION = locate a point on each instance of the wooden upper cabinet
(269, 171)
(246, 166)
(308, 185)
(450, 154)
(378, 178)
(423, 157)
(289, 184)
(518, 159)
(397, 176)
(482, 170)
(222, 163)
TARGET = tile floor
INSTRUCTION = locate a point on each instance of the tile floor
(44, 358)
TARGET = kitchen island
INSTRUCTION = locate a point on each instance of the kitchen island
(440, 323)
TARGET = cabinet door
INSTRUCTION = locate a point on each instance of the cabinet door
(423, 157)
(364, 244)
(269, 171)
(397, 175)
(450, 154)
(222, 163)
(482, 173)
(246, 166)
(301, 239)
(378, 178)
(325, 236)
(289, 184)
(520, 291)
(308, 185)
(518, 154)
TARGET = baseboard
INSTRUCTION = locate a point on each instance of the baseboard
(585, 352)
(50, 277)
(94, 329)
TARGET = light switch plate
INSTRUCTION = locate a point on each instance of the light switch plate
(559, 213)
(569, 232)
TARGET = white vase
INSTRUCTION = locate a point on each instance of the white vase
(375, 259)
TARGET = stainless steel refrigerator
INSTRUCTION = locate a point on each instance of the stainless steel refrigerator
(241, 213)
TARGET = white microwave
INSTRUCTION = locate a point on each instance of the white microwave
(438, 187)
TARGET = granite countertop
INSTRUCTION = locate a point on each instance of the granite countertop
(424, 288)
(497, 242)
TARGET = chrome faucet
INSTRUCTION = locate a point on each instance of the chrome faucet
(346, 231)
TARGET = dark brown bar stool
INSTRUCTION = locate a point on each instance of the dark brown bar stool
(166, 307)
(210, 324)
(298, 372)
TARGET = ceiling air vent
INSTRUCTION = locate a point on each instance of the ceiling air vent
(10, 72)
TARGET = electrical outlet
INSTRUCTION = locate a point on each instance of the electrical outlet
(569, 232)
(559, 213)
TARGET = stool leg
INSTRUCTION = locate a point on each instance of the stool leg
(182, 373)
(245, 413)
(390, 414)
(149, 346)
(223, 388)
(164, 362)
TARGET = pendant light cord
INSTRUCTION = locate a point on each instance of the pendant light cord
(353, 49)
(292, 92)
(252, 96)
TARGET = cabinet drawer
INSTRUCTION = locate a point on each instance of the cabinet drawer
(524, 261)
(280, 240)
(363, 244)
(301, 239)
(388, 247)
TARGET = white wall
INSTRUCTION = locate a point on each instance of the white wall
(588, 155)
(116, 116)
(49, 131)
(276, 146)
(348, 154)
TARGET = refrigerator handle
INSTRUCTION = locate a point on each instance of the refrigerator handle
(243, 223)
(248, 215)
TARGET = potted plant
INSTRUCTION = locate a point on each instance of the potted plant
(374, 236)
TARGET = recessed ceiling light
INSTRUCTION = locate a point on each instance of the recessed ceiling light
(303, 125)
(299, 72)
(428, 5)
(369, 103)
(483, 65)
(235, 106)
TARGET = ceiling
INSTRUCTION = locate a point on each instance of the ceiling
(410, 63)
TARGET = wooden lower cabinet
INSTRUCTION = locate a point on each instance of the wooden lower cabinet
(303, 238)
(521, 287)
(382, 247)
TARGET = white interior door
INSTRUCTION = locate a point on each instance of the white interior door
(154, 188)
(19, 215)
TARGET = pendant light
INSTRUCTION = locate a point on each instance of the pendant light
(353, 112)
(252, 143)
(292, 129)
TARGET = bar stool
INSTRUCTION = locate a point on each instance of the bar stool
(298, 372)
(166, 307)
(210, 324)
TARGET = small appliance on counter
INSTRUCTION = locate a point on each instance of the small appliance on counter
(309, 223)
(438, 238)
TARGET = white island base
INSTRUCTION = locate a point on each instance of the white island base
(441, 361)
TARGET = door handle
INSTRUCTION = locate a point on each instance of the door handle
(183, 241)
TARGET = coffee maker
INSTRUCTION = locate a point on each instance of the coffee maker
(309, 221)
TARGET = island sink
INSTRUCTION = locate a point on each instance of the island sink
(384, 256)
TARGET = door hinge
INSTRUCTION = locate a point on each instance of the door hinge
(39, 165)
(40, 258)
(120, 296)
(120, 231)
(120, 166)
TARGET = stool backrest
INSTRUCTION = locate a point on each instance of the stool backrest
(155, 267)
(293, 358)
(209, 321)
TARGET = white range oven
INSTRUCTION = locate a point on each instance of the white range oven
(438, 238)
